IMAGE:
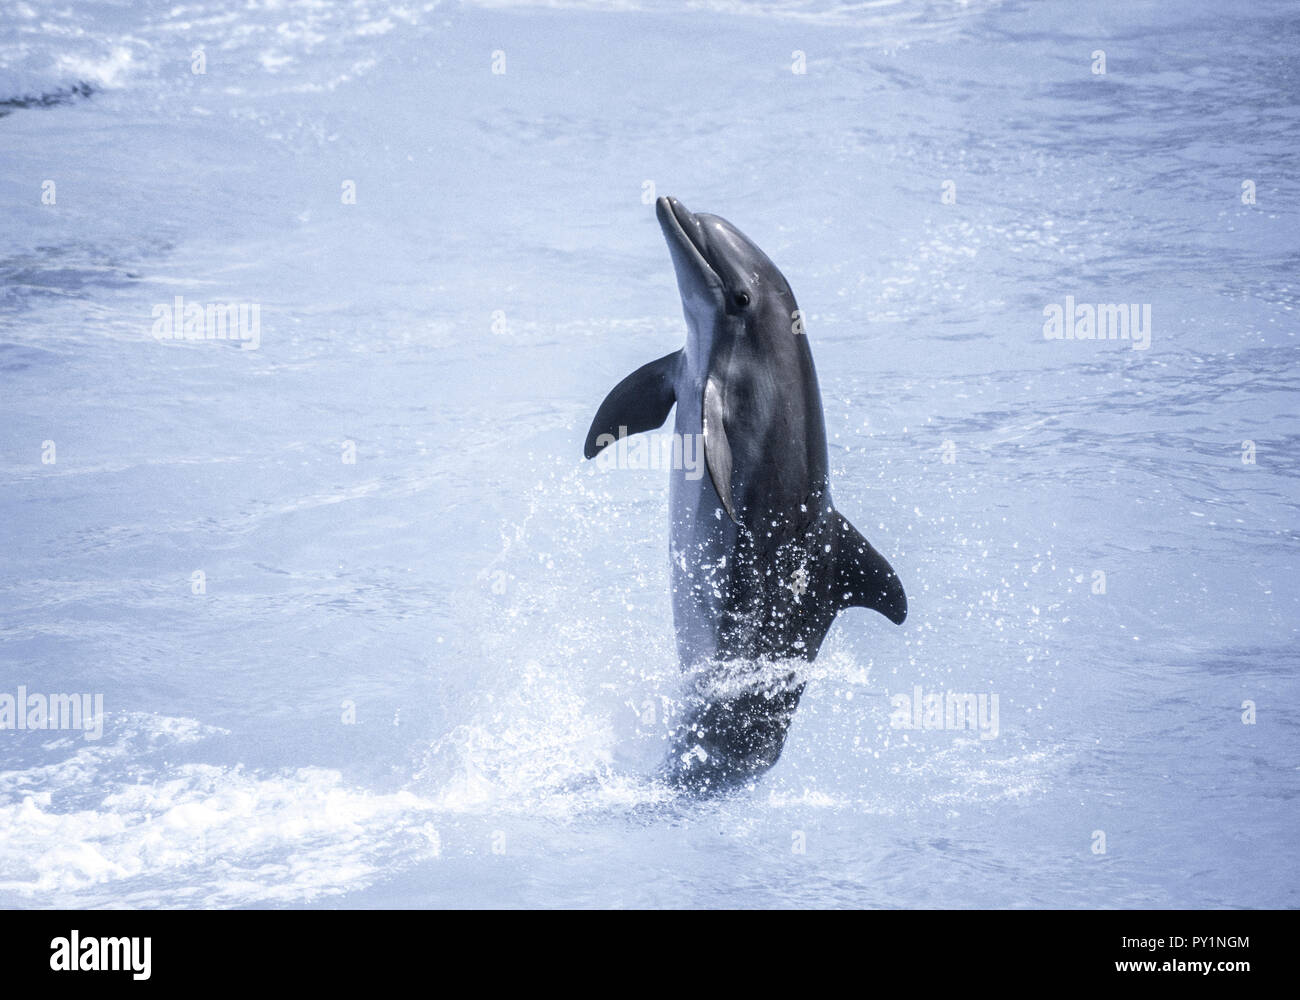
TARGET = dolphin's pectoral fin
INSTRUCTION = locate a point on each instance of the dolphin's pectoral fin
(863, 577)
(639, 403)
(717, 449)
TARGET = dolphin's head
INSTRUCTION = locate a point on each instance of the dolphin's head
(729, 288)
(759, 405)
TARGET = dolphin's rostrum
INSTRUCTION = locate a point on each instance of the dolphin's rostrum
(761, 559)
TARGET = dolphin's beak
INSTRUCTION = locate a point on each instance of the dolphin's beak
(685, 236)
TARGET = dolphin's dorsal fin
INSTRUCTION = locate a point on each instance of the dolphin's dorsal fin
(639, 403)
(863, 577)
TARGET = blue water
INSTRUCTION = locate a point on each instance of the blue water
(441, 675)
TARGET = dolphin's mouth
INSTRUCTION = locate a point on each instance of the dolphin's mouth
(685, 235)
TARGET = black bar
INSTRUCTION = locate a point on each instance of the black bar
(916, 949)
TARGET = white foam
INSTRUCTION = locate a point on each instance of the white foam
(108, 72)
(248, 838)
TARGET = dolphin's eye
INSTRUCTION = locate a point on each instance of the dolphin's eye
(742, 299)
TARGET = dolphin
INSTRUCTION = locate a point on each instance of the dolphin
(761, 561)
